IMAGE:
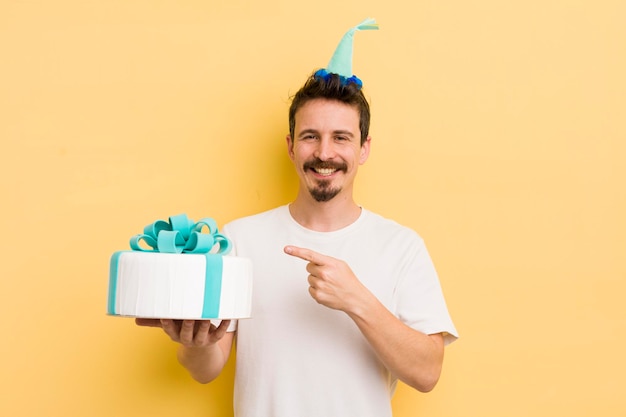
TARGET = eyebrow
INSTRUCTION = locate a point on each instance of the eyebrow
(335, 132)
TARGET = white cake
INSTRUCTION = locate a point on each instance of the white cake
(152, 284)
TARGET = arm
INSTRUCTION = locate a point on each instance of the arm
(414, 357)
(204, 348)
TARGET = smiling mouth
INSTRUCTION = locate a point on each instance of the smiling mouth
(324, 169)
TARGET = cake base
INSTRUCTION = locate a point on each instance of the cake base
(179, 286)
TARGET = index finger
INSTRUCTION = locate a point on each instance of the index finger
(306, 254)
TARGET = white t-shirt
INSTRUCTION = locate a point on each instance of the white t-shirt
(296, 357)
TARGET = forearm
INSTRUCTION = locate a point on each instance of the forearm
(205, 363)
(413, 357)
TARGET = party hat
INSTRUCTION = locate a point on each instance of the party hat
(341, 61)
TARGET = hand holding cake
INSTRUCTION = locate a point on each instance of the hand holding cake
(191, 333)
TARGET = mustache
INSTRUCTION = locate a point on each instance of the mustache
(319, 164)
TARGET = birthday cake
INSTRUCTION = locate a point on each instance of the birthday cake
(176, 270)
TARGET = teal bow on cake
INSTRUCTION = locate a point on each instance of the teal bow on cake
(181, 235)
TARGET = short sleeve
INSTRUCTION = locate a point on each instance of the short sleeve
(419, 300)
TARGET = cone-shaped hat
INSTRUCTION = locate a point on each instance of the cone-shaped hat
(341, 61)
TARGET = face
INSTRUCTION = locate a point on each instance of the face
(326, 148)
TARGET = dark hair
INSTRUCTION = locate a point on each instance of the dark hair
(332, 87)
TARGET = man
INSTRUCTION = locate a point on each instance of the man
(345, 301)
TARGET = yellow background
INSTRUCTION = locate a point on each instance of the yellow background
(498, 134)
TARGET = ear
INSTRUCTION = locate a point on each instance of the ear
(290, 147)
(365, 150)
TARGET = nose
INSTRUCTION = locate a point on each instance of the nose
(325, 149)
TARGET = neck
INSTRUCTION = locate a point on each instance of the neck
(328, 216)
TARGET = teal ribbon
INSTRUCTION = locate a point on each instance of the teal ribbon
(212, 286)
(113, 283)
(181, 235)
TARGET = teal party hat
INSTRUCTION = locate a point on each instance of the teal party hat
(341, 61)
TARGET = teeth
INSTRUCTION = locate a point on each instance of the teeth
(324, 171)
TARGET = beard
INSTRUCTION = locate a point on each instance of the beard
(323, 191)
